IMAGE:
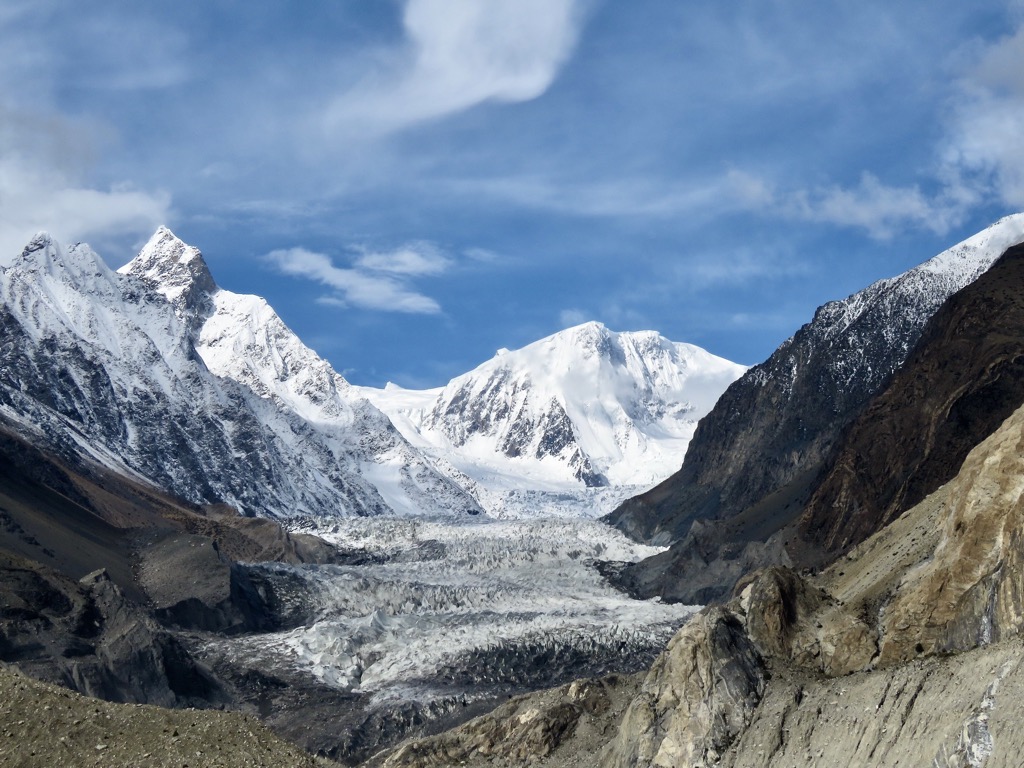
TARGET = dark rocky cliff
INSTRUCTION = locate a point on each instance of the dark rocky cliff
(758, 458)
(963, 379)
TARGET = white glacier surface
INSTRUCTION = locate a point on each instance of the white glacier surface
(466, 609)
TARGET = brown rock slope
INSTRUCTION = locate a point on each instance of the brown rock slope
(963, 379)
(906, 651)
(43, 726)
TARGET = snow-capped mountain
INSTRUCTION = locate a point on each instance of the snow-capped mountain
(585, 408)
(155, 371)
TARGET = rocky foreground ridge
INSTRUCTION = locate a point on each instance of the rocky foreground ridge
(906, 651)
(44, 725)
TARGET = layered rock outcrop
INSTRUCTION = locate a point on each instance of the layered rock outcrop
(963, 379)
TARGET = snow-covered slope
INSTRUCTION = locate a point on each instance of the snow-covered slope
(205, 393)
(556, 421)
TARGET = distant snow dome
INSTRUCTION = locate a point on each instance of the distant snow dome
(570, 424)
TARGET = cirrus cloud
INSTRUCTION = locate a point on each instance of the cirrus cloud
(376, 281)
(410, 260)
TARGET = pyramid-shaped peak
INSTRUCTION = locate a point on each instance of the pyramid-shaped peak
(589, 328)
(41, 242)
(175, 269)
(42, 252)
(585, 335)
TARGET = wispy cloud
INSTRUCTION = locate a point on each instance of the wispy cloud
(569, 317)
(733, 190)
(981, 159)
(482, 255)
(879, 209)
(737, 266)
(985, 143)
(460, 53)
(41, 189)
(378, 281)
(411, 260)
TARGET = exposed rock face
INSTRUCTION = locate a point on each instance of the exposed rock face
(779, 422)
(700, 568)
(526, 729)
(969, 593)
(87, 636)
(943, 578)
(788, 618)
(759, 457)
(699, 696)
(957, 711)
(963, 379)
(169, 566)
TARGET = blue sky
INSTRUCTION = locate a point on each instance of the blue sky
(413, 184)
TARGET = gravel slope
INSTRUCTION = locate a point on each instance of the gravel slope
(46, 726)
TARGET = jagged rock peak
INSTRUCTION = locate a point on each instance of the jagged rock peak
(42, 253)
(77, 264)
(41, 242)
(176, 270)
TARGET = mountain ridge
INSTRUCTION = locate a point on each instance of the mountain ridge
(755, 460)
(114, 367)
(861, 339)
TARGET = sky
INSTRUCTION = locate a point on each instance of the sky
(414, 184)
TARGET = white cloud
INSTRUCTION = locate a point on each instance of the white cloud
(357, 287)
(418, 259)
(40, 189)
(980, 161)
(878, 208)
(985, 144)
(460, 53)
